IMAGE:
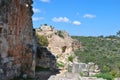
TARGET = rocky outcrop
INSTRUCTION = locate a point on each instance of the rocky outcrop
(60, 43)
(17, 41)
(45, 58)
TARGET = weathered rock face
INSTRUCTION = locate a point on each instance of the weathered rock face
(60, 43)
(45, 58)
(17, 42)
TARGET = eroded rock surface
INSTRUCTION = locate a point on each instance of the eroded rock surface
(17, 41)
(60, 44)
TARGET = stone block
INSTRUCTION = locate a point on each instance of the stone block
(76, 68)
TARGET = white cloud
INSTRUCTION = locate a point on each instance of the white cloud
(46, 1)
(77, 23)
(61, 19)
(89, 16)
(37, 18)
(36, 10)
(66, 20)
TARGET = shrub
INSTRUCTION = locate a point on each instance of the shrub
(60, 34)
(81, 73)
(60, 64)
(115, 73)
(70, 58)
(42, 40)
(105, 76)
(105, 69)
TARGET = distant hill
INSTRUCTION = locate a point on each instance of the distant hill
(104, 51)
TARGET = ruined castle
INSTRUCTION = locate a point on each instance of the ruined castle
(17, 41)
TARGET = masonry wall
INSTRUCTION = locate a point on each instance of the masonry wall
(17, 41)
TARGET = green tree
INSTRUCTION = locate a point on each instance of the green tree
(102, 51)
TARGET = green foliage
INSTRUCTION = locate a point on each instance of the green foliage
(104, 51)
(60, 33)
(38, 68)
(81, 74)
(115, 73)
(60, 64)
(105, 69)
(70, 58)
(105, 76)
(42, 40)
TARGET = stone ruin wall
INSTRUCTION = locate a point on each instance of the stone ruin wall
(17, 42)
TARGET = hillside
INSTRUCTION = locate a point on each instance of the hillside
(58, 42)
(104, 51)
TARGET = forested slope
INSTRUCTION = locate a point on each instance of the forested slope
(104, 51)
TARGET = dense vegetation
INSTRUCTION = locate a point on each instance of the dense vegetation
(106, 76)
(104, 51)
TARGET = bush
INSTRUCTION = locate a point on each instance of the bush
(60, 34)
(115, 73)
(81, 73)
(105, 76)
(106, 69)
(60, 64)
(70, 58)
(42, 40)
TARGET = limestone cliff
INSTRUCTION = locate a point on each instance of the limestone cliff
(60, 43)
(17, 42)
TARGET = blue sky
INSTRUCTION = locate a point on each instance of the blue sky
(79, 17)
